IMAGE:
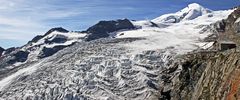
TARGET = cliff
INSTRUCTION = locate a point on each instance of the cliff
(209, 75)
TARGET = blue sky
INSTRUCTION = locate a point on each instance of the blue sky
(21, 20)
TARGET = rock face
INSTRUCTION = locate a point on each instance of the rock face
(192, 69)
(220, 79)
(220, 26)
(101, 29)
(57, 39)
(19, 56)
(58, 29)
(207, 76)
(12, 58)
(1, 51)
(229, 28)
(9, 50)
(46, 52)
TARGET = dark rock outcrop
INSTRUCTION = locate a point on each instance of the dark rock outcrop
(230, 28)
(46, 52)
(206, 76)
(1, 51)
(153, 24)
(58, 29)
(57, 39)
(20, 56)
(232, 25)
(9, 50)
(192, 70)
(220, 26)
(38, 37)
(101, 29)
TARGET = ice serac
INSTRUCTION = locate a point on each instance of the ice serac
(103, 28)
(191, 12)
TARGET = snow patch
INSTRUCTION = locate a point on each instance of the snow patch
(238, 20)
(70, 36)
(143, 23)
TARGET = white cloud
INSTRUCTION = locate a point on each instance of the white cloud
(6, 4)
(14, 22)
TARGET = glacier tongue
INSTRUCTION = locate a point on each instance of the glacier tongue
(101, 69)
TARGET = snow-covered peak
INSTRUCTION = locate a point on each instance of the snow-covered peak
(190, 12)
(193, 11)
(195, 6)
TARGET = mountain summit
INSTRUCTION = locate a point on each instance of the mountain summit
(192, 11)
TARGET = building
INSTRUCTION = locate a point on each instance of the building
(225, 45)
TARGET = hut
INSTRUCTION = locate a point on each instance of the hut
(225, 45)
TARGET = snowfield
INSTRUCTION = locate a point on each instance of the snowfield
(185, 36)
